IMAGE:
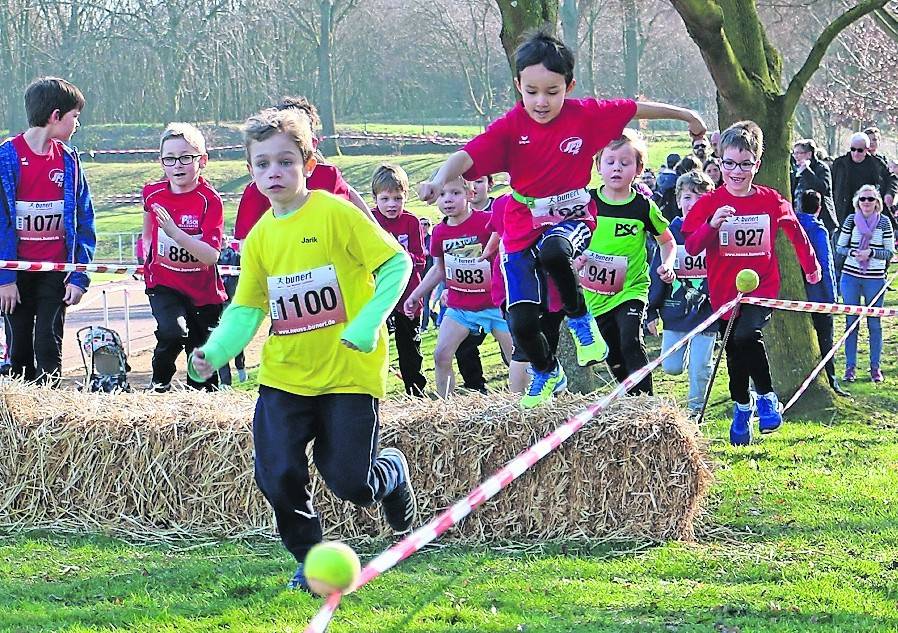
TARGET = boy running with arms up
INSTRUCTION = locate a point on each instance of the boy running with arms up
(457, 245)
(736, 226)
(547, 143)
(328, 277)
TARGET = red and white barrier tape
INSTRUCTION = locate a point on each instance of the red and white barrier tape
(835, 348)
(116, 269)
(822, 308)
(434, 139)
(501, 479)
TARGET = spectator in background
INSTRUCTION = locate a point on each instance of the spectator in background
(701, 149)
(824, 290)
(874, 135)
(810, 174)
(427, 314)
(857, 168)
(715, 139)
(667, 184)
(230, 257)
(712, 169)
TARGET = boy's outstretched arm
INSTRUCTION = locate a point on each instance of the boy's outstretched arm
(236, 329)
(389, 283)
(656, 110)
(453, 168)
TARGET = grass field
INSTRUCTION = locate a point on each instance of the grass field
(802, 535)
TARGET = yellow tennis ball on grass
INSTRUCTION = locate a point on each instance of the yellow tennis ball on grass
(330, 567)
(747, 280)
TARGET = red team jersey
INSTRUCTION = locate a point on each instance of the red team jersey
(254, 204)
(469, 282)
(407, 230)
(546, 159)
(746, 241)
(198, 213)
(40, 227)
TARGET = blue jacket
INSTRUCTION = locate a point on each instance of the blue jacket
(77, 214)
(823, 290)
(683, 304)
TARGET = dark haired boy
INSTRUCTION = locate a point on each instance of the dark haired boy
(551, 217)
(824, 290)
(46, 215)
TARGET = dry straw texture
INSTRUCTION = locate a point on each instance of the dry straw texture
(180, 464)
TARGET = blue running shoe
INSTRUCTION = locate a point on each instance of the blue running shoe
(299, 581)
(544, 385)
(590, 345)
(770, 413)
(740, 429)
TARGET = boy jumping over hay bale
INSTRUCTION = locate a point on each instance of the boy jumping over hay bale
(546, 143)
(328, 277)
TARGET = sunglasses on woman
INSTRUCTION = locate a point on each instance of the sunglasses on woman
(867, 199)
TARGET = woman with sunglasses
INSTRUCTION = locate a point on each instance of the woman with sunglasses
(867, 242)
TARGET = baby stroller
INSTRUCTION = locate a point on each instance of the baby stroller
(109, 367)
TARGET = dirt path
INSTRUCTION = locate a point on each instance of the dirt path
(140, 327)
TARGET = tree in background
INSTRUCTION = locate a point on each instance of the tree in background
(748, 73)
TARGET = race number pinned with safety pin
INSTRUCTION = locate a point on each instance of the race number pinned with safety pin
(688, 266)
(570, 205)
(603, 274)
(305, 301)
(745, 236)
(466, 274)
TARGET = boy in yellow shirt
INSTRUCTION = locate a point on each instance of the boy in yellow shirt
(328, 277)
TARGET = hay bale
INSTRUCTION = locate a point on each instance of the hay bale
(151, 466)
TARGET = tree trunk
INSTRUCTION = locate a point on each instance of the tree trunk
(570, 21)
(747, 71)
(631, 48)
(520, 15)
(325, 105)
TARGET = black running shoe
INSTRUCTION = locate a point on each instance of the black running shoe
(399, 506)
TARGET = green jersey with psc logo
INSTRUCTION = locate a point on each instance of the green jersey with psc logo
(617, 267)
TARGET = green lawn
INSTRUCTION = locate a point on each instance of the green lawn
(802, 535)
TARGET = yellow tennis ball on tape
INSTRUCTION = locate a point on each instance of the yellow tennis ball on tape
(330, 567)
(747, 280)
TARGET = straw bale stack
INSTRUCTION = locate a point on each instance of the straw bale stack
(180, 464)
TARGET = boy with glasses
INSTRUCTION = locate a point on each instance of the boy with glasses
(182, 236)
(736, 226)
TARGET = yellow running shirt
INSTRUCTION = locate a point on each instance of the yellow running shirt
(311, 271)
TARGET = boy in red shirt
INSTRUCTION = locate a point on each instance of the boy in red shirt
(457, 246)
(546, 143)
(390, 188)
(736, 225)
(46, 215)
(182, 234)
(254, 204)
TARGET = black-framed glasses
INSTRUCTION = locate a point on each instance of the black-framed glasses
(730, 165)
(859, 150)
(868, 199)
(186, 159)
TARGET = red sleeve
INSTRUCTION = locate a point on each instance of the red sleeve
(698, 233)
(253, 205)
(436, 241)
(789, 223)
(610, 117)
(213, 221)
(416, 243)
(489, 149)
(326, 177)
(341, 187)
